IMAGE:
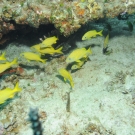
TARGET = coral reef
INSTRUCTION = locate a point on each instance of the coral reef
(67, 16)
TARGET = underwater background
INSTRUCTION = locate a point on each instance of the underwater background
(93, 95)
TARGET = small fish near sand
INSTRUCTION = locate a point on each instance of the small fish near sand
(7, 65)
(91, 33)
(105, 46)
(77, 54)
(48, 42)
(8, 93)
(67, 76)
(30, 56)
(2, 57)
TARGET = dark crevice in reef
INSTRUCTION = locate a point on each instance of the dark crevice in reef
(26, 35)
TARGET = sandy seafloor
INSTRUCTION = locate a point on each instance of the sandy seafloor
(102, 100)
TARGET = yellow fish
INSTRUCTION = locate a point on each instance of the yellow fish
(48, 42)
(67, 76)
(8, 93)
(36, 47)
(78, 65)
(105, 46)
(77, 54)
(106, 42)
(2, 57)
(7, 65)
(90, 34)
(50, 50)
(32, 56)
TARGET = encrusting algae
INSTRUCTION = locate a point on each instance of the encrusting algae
(67, 76)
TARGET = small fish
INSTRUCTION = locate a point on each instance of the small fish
(78, 65)
(47, 50)
(106, 41)
(30, 56)
(2, 57)
(7, 65)
(90, 34)
(17, 70)
(77, 54)
(8, 93)
(36, 47)
(48, 42)
(67, 76)
(50, 50)
(105, 46)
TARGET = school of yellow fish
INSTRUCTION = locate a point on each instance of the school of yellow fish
(76, 58)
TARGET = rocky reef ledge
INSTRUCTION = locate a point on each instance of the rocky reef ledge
(66, 15)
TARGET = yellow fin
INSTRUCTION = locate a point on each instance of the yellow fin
(17, 88)
(100, 33)
(14, 61)
(59, 50)
(3, 56)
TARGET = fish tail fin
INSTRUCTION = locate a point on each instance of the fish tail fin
(59, 50)
(14, 62)
(43, 61)
(17, 88)
(100, 33)
(3, 55)
(89, 51)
